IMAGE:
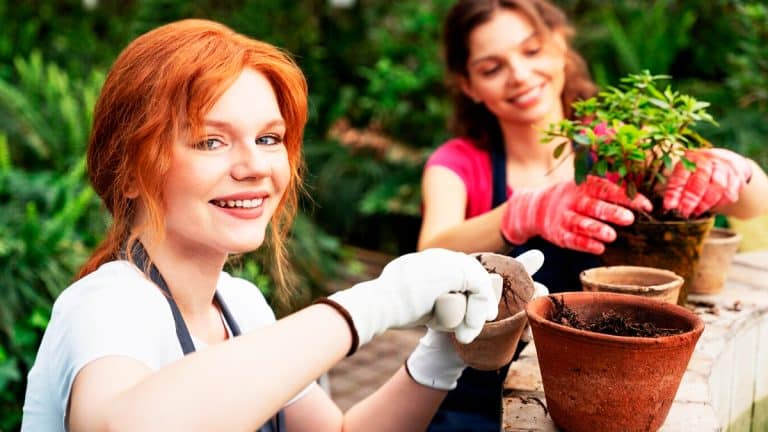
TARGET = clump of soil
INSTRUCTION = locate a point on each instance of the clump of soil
(609, 322)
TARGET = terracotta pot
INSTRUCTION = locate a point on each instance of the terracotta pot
(716, 256)
(658, 284)
(495, 346)
(598, 382)
(671, 245)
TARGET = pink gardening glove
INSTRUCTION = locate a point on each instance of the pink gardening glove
(719, 176)
(569, 215)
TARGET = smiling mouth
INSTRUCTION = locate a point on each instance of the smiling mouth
(246, 204)
(529, 95)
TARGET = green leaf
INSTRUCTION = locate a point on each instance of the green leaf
(622, 171)
(559, 149)
(582, 139)
(601, 167)
(581, 167)
(688, 164)
(668, 162)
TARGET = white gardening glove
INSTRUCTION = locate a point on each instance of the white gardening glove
(435, 363)
(406, 291)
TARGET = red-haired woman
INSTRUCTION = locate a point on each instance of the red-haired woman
(195, 151)
(497, 187)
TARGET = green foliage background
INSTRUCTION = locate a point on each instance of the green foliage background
(374, 71)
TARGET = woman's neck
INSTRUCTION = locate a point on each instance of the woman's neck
(531, 162)
(523, 144)
(191, 276)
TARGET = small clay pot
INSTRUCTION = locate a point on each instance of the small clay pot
(671, 245)
(648, 282)
(715, 260)
(496, 344)
(599, 382)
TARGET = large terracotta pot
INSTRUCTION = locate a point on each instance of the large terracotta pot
(496, 344)
(598, 382)
(650, 282)
(716, 256)
(670, 245)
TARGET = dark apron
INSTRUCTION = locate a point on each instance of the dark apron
(139, 255)
(475, 405)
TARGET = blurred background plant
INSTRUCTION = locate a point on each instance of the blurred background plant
(378, 107)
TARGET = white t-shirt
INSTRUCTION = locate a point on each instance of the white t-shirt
(117, 311)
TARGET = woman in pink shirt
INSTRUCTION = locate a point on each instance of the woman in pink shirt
(497, 187)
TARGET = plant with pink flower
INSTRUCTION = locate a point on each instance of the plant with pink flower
(634, 134)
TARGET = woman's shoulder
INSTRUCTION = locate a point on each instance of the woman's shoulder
(461, 145)
(114, 310)
(459, 153)
(115, 282)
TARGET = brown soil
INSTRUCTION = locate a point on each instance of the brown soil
(609, 322)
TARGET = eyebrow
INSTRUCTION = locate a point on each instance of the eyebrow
(491, 56)
(223, 124)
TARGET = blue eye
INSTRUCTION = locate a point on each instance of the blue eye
(209, 144)
(269, 140)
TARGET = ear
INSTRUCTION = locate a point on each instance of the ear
(466, 88)
(131, 191)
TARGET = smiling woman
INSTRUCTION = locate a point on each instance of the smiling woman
(220, 191)
(195, 151)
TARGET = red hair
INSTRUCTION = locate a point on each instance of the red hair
(158, 91)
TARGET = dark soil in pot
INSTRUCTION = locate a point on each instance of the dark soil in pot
(609, 322)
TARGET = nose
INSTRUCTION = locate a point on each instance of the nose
(519, 70)
(249, 162)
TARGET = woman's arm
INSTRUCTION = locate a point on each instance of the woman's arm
(443, 222)
(239, 384)
(752, 200)
(399, 405)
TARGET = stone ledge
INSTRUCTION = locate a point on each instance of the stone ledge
(726, 384)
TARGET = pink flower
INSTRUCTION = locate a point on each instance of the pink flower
(602, 129)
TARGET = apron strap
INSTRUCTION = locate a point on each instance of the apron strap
(499, 175)
(139, 255)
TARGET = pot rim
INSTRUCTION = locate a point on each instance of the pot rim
(698, 221)
(502, 322)
(673, 309)
(591, 276)
(725, 236)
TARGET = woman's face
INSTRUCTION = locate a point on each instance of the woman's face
(518, 74)
(222, 188)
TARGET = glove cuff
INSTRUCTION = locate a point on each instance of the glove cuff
(510, 232)
(435, 363)
(347, 317)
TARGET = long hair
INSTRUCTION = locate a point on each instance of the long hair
(475, 120)
(157, 92)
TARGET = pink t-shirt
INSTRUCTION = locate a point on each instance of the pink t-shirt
(472, 163)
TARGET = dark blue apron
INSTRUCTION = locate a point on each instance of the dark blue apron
(139, 255)
(475, 405)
